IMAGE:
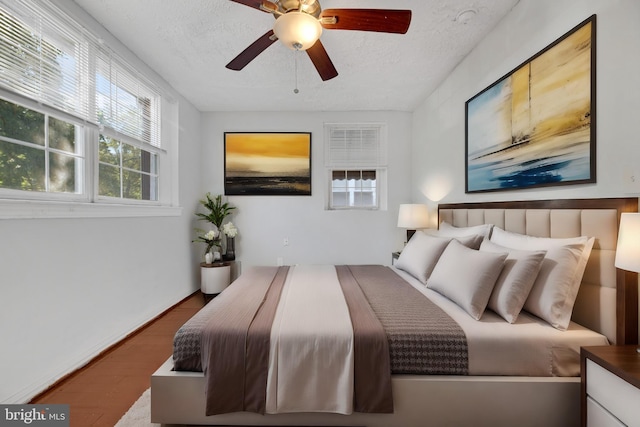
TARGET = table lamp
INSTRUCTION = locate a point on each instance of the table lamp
(412, 217)
(628, 250)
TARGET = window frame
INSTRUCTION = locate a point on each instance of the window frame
(375, 206)
(371, 160)
(121, 167)
(27, 204)
(83, 196)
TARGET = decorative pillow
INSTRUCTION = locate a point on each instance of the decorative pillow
(484, 229)
(472, 241)
(467, 276)
(525, 242)
(555, 289)
(515, 281)
(421, 254)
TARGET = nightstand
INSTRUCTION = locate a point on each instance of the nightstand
(610, 391)
(394, 257)
(214, 278)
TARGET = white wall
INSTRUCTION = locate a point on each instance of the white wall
(315, 234)
(438, 145)
(438, 142)
(69, 288)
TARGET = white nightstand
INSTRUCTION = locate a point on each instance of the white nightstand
(215, 277)
(610, 386)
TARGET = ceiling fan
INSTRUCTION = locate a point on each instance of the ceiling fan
(299, 24)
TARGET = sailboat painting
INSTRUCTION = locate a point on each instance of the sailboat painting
(536, 126)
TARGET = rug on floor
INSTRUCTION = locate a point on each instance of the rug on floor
(139, 415)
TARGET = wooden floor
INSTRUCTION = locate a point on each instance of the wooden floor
(100, 393)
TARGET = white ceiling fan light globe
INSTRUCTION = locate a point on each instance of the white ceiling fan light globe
(297, 30)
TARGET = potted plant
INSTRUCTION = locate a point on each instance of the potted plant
(217, 212)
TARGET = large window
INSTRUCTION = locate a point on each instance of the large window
(39, 152)
(76, 121)
(126, 171)
(356, 162)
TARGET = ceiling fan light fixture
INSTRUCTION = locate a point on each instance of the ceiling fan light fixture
(297, 30)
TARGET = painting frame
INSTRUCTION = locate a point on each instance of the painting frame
(548, 138)
(267, 163)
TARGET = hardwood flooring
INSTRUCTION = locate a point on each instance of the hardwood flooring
(100, 393)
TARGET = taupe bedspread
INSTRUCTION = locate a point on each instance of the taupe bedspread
(235, 343)
(396, 330)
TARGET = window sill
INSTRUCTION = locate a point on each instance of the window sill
(30, 209)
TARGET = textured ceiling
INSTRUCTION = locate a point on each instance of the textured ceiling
(189, 42)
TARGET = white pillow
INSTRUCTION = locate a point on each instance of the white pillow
(515, 281)
(531, 243)
(466, 276)
(421, 254)
(483, 229)
(472, 241)
(554, 292)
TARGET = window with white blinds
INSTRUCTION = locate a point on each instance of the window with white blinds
(356, 145)
(43, 56)
(124, 103)
(356, 162)
(53, 68)
(47, 57)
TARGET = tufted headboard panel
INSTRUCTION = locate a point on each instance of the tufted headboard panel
(608, 298)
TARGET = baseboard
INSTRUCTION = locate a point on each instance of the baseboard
(40, 388)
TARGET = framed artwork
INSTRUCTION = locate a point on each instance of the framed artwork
(267, 163)
(535, 126)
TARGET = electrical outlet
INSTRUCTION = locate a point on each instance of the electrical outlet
(630, 179)
(285, 241)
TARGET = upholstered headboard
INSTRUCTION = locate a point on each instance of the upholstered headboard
(608, 298)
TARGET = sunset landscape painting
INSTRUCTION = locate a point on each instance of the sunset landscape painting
(267, 163)
(536, 126)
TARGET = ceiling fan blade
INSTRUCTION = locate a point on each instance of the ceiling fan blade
(379, 20)
(321, 61)
(263, 5)
(251, 52)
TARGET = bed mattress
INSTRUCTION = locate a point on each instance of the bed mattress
(528, 347)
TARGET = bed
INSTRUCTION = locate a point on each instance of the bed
(607, 303)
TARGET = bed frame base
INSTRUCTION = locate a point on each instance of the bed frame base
(178, 398)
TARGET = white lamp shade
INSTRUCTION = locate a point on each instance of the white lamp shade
(297, 30)
(628, 251)
(413, 216)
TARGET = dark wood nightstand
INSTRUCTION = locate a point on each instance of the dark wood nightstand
(610, 386)
(394, 257)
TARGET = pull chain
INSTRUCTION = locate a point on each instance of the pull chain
(295, 90)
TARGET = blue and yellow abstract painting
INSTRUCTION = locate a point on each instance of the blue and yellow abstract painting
(535, 126)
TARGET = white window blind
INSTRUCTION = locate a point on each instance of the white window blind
(43, 56)
(48, 57)
(355, 145)
(124, 102)
(356, 161)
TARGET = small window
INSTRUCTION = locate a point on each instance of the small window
(354, 189)
(356, 162)
(126, 171)
(39, 152)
